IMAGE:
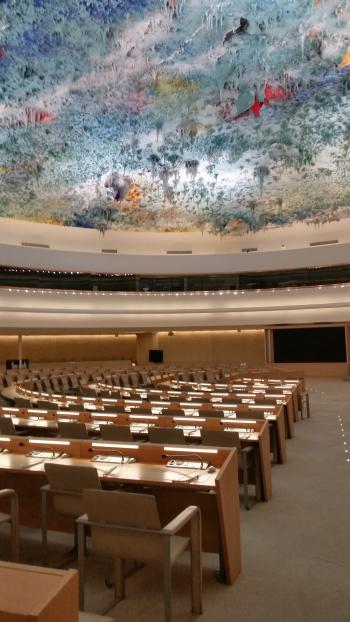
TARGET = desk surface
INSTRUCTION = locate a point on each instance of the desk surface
(133, 473)
(25, 591)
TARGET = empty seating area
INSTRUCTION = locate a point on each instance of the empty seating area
(92, 422)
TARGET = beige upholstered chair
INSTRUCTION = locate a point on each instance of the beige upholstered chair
(72, 429)
(113, 408)
(47, 404)
(114, 432)
(126, 526)
(66, 485)
(248, 460)
(22, 402)
(174, 412)
(8, 427)
(166, 435)
(13, 519)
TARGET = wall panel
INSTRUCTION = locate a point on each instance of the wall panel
(213, 347)
(55, 348)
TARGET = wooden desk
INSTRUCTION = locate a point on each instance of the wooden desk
(250, 432)
(215, 493)
(35, 594)
(249, 398)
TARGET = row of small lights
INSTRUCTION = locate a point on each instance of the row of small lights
(23, 270)
(342, 432)
(198, 293)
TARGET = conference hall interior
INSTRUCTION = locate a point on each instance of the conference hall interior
(174, 310)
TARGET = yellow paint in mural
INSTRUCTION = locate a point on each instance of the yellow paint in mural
(166, 87)
(5, 169)
(346, 59)
(51, 221)
(134, 194)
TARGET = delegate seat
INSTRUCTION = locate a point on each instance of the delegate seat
(248, 462)
(13, 519)
(72, 429)
(127, 526)
(66, 485)
(8, 427)
(115, 432)
(166, 435)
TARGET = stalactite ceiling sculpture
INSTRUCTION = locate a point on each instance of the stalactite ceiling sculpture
(175, 115)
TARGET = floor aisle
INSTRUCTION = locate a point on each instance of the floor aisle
(295, 549)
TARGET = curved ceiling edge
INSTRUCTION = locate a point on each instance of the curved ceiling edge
(50, 259)
(22, 310)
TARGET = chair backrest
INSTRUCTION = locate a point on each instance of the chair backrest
(7, 426)
(113, 408)
(127, 510)
(72, 429)
(210, 413)
(141, 411)
(22, 402)
(134, 379)
(254, 414)
(114, 432)
(166, 435)
(105, 393)
(73, 381)
(88, 392)
(47, 404)
(218, 438)
(73, 406)
(172, 412)
(115, 395)
(65, 479)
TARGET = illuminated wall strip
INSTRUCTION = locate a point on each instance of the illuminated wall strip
(154, 417)
(238, 420)
(115, 445)
(48, 442)
(188, 419)
(191, 450)
(261, 407)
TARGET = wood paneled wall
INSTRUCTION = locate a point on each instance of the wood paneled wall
(61, 348)
(208, 347)
(185, 348)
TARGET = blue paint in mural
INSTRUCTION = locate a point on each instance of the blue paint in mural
(175, 115)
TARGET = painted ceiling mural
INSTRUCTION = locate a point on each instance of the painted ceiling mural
(175, 115)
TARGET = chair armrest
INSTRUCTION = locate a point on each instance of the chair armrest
(7, 492)
(247, 450)
(181, 519)
(83, 520)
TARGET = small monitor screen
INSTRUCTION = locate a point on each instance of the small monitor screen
(155, 356)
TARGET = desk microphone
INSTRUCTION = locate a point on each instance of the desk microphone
(197, 457)
(124, 459)
(37, 453)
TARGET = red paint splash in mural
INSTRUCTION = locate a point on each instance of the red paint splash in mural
(35, 115)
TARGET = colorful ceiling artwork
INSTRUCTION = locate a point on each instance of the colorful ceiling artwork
(175, 115)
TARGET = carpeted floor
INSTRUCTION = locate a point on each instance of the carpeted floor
(295, 548)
